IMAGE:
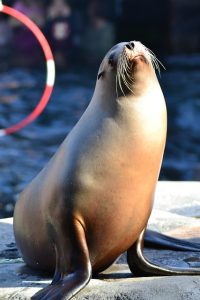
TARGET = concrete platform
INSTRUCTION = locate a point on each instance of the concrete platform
(176, 211)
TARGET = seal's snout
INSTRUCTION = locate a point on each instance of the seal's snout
(135, 50)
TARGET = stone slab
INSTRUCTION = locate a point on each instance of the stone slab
(176, 210)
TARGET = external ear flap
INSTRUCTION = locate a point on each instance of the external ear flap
(111, 62)
(100, 74)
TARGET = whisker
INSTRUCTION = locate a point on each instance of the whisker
(152, 55)
(123, 77)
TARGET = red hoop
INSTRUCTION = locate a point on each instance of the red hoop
(50, 78)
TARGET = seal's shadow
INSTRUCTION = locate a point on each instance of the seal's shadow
(26, 270)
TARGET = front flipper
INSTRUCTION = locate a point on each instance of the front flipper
(73, 268)
(140, 266)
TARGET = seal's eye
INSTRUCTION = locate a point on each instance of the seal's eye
(128, 46)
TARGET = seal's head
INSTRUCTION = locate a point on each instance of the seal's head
(130, 66)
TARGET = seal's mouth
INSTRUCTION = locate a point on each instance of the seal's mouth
(140, 57)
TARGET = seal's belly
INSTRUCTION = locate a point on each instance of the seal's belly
(114, 188)
(114, 209)
(115, 224)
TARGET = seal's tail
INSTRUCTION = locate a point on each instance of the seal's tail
(141, 266)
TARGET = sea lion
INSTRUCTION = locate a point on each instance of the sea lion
(93, 200)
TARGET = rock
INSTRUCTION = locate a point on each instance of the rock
(173, 200)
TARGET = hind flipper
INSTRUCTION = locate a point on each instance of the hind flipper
(140, 266)
(73, 268)
(158, 240)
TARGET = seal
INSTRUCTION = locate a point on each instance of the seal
(93, 200)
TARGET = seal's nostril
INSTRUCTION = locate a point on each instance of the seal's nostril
(128, 46)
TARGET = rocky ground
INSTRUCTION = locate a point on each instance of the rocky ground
(176, 212)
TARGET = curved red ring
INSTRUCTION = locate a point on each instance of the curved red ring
(50, 69)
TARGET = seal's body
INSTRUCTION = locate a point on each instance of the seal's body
(94, 198)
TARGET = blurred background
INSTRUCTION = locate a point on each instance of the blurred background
(80, 32)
